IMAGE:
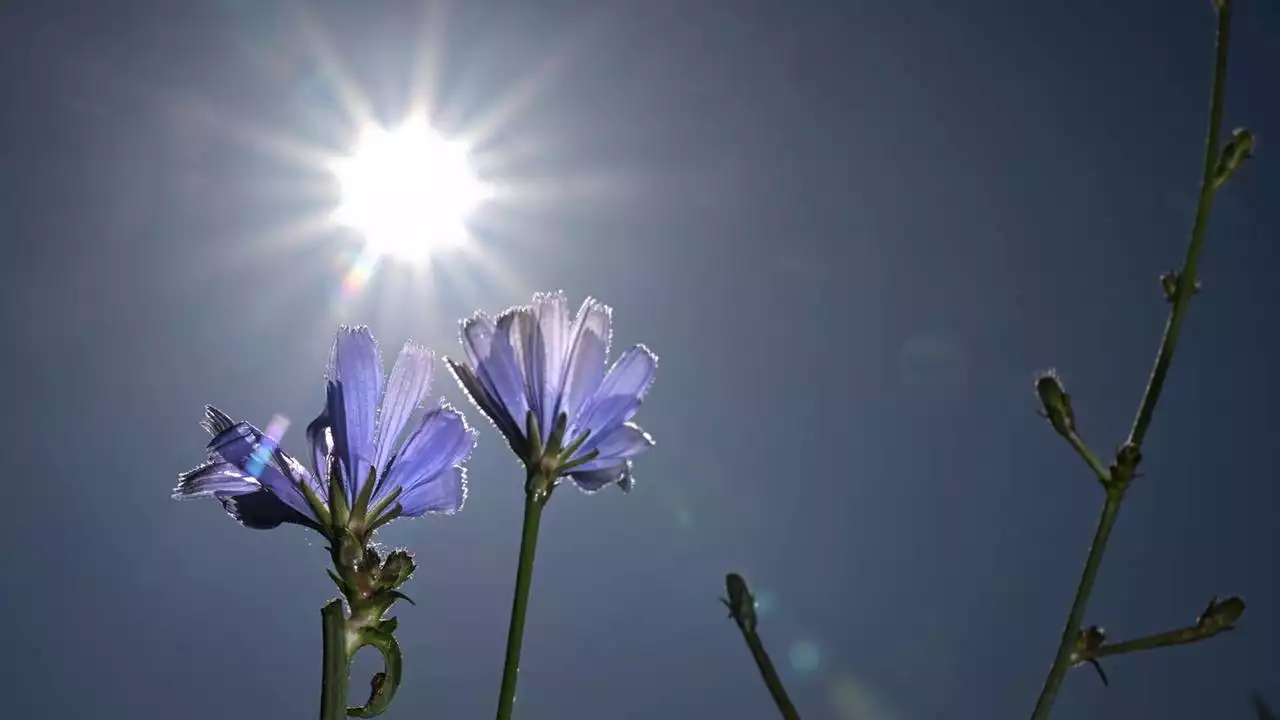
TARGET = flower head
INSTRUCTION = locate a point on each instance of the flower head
(360, 468)
(540, 376)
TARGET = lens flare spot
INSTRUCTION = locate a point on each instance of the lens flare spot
(684, 516)
(852, 700)
(766, 601)
(270, 441)
(805, 657)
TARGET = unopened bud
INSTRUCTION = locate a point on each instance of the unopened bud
(1125, 467)
(1169, 282)
(1238, 149)
(1057, 403)
(741, 603)
(1089, 640)
(396, 569)
(1220, 615)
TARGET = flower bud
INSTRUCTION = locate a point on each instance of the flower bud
(1057, 403)
(741, 603)
(1238, 149)
(396, 569)
(1220, 615)
(1169, 282)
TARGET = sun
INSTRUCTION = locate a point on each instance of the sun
(408, 191)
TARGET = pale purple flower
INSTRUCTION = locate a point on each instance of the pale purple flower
(538, 358)
(359, 429)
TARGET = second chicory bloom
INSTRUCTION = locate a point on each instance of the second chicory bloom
(355, 448)
(536, 368)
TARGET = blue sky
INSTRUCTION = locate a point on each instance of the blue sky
(853, 232)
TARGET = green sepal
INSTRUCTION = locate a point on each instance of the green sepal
(317, 505)
(360, 508)
(385, 518)
(341, 512)
(374, 516)
(343, 587)
(397, 595)
(577, 463)
(573, 446)
(389, 625)
(384, 685)
(557, 433)
(534, 433)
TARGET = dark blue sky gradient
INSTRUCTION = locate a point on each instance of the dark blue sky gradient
(852, 230)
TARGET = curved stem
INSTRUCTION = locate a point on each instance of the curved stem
(337, 669)
(384, 685)
(533, 504)
(770, 675)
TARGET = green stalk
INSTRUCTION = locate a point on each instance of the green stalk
(1181, 636)
(1169, 342)
(337, 669)
(1062, 661)
(1187, 278)
(533, 505)
(770, 675)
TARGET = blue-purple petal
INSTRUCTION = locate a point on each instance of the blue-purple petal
(284, 478)
(488, 405)
(622, 442)
(356, 369)
(588, 351)
(632, 374)
(545, 368)
(320, 436)
(491, 361)
(234, 447)
(619, 395)
(591, 481)
(445, 494)
(410, 380)
(215, 421)
(262, 510)
(214, 478)
(441, 440)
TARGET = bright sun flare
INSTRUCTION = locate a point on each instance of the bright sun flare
(408, 191)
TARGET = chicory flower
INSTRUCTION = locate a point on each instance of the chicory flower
(355, 448)
(540, 376)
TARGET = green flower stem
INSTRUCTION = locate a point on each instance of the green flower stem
(1181, 636)
(1062, 661)
(1104, 476)
(770, 675)
(1186, 285)
(535, 499)
(337, 668)
(1187, 277)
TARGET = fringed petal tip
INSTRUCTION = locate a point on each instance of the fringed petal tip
(211, 479)
(215, 421)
